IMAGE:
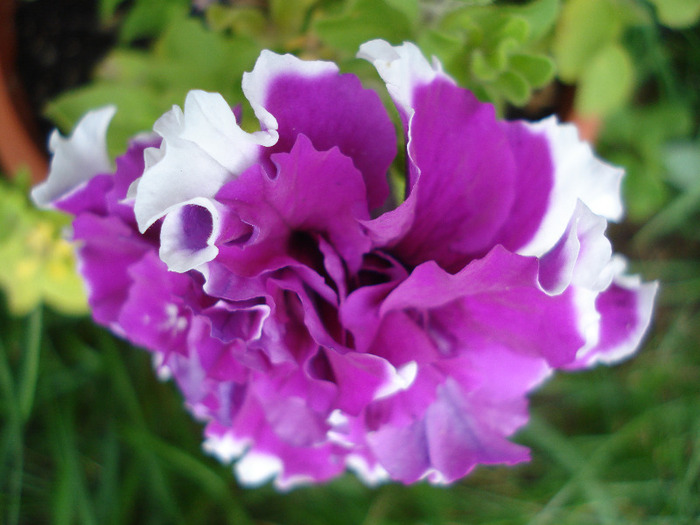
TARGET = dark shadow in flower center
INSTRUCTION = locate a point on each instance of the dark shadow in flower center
(303, 247)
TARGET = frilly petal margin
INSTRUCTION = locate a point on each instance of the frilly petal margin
(454, 141)
(626, 308)
(188, 234)
(578, 175)
(202, 149)
(76, 159)
(302, 98)
(457, 158)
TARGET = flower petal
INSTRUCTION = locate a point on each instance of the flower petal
(458, 160)
(189, 233)
(301, 97)
(578, 175)
(203, 148)
(625, 313)
(76, 159)
(312, 192)
(495, 301)
(582, 256)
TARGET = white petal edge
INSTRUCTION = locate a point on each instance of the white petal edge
(402, 68)
(225, 448)
(76, 159)
(371, 476)
(172, 250)
(646, 293)
(256, 468)
(209, 122)
(270, 66)
(582, 256)
(399, 379)
(578, 175)
(203, 148)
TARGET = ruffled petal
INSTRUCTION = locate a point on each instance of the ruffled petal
(578, 175)
(625, 310)
(582, 256)
(458, 160)
(189, 233)
(312, 337)
(203, 148)
(302, 97)
(495, 301)
(312, 192)
(76, 159)
(108, 248)
(155, 314)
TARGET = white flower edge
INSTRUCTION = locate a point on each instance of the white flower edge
(203, 148)
(77, 158)
(589, 355)
(402, 68)
(173, 246)
(578, 175)
(271, 66)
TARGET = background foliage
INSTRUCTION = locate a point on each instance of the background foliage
(89, 435)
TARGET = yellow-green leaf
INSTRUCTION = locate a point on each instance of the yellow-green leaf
(606, 83)
(677, 13)
(585, 27)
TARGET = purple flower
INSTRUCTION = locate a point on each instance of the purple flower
(312, 329)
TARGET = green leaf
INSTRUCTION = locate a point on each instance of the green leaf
(241, 20)
(149, 18)
(364, 20)
(410, 8)
(538, 70)
(643, 190)
(678, 14)
(539, 14)
(585, 27)
(26, 389)
(446, 46)
(606, 83)
(289, 16)
(674, 216)
(482, 67)
(514, 88)
(514, 29)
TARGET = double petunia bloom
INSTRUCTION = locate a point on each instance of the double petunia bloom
(313, 325)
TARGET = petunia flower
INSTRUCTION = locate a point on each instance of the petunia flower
(316, 326)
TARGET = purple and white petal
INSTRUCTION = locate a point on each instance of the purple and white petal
(311, 191)
(76, 159)
(403, 68)
(189, 233)
(269, 66)
(578, 175)
(314, 337)
(457, 159)
(492, 302)
(203, 148)
(625, 310)
(301, 98)
(582, 256)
